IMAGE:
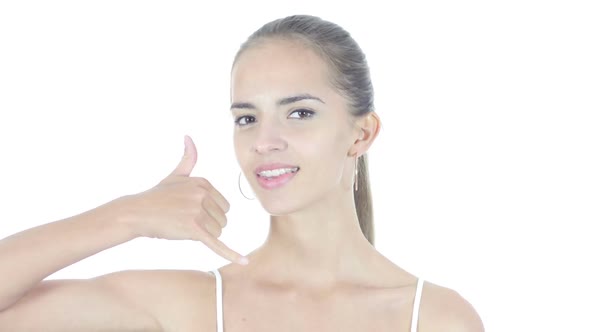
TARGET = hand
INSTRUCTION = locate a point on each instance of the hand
(181, 207)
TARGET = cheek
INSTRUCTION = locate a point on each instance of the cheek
(240, 151)
(328, 158)
(335, 145)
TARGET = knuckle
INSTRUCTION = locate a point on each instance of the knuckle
(195, 236)
(198, 194)
(214, 231)
(198, 230)
(202, 182)
(201, 214)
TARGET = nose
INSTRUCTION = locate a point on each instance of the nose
(269, 137)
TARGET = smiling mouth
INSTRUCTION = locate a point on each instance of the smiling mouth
(276, 181)
(270, 174)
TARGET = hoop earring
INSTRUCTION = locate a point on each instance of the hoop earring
(356, 172)
(239, 186)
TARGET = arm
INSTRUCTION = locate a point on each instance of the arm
(28, 257)
(27, 303)
(101, 304)
(179, 207)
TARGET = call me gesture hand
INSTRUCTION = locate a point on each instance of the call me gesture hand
(181, 207)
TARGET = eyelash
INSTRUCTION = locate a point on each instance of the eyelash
(311, 113)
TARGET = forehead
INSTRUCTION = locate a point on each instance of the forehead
(279, 67)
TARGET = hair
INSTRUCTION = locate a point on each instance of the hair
(349, 75)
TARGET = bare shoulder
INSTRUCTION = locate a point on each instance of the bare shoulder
(444, 309)
(171, 279)
(177, 299)
(130, 300)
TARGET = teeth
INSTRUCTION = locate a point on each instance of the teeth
(277, 172)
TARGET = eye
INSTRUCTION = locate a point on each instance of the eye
(241, 123)
(304, 111)
(237, 121)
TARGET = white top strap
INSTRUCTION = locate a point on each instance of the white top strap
(416, 310)
(219, 299)
(219, 302)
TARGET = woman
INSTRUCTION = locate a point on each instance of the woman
(302, 101)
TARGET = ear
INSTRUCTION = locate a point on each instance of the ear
(366, 128)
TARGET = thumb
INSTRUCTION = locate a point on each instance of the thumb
(189, 159)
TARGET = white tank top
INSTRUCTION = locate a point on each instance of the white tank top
(219, 302)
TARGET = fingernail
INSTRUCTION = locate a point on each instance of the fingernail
(243, 261)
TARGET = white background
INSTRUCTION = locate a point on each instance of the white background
(479, 175)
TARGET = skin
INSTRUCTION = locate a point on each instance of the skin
(314, 272)
(315, 256)
(315, 239)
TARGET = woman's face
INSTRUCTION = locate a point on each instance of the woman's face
(313, 133)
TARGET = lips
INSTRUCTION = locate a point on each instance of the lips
(275, 182)
(271, 166)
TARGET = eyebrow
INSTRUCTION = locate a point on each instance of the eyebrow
(281, 102)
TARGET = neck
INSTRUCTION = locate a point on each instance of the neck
(319, 245)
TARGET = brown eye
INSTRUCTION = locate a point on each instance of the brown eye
(237, 121)
(304, 111)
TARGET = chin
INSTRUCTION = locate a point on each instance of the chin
(278, 205)
(279, 208)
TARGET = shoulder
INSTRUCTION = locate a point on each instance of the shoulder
(166, 280)
(154, 285)
(178, 299)
(443, 309)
